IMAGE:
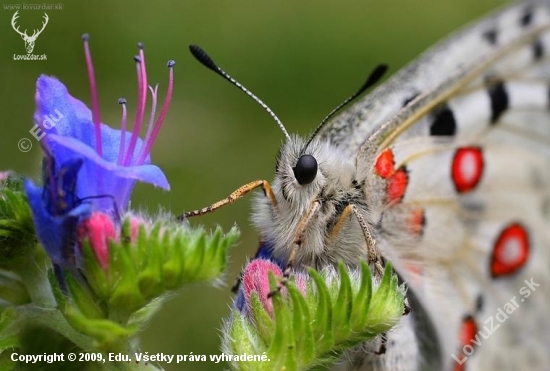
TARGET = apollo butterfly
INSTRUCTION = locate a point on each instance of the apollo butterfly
(444, 171)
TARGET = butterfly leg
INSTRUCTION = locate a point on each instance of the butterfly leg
(373, 255)
(234, 196)
(298, 240)
(372, 251)
(342, 219)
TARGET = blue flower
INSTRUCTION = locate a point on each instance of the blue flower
(89, 167)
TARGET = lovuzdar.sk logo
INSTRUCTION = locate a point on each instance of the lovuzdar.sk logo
(29, 40)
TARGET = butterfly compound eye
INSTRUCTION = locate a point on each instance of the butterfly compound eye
(306, 169)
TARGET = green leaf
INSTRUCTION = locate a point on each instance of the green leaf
(363, 297)
(82, 297)
(282, 348)
(323, 313)
(303, 326)
(265, 327)
(13, 289)
(17, 236)
(343, 306)
(107, 334)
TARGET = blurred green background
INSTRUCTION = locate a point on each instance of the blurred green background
(301, 57)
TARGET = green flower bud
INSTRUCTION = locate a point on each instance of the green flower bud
(314, 319)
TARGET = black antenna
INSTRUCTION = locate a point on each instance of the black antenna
(206, 61)
(373, 78)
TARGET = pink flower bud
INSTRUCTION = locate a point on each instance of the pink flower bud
(256, 279)
(98, 229)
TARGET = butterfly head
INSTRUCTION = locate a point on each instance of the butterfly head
(298, 174)
(304, 157)
(302, 176)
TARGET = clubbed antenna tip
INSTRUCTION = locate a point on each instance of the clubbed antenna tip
(202, 57)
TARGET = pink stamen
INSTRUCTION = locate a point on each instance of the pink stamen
(137, 59)
(140, 112)
(93, 88)
(152, 117)
(149, 143)
(122, 101)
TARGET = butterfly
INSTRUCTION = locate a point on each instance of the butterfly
(444, 170)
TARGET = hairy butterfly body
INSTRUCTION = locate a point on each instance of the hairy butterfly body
(444, 171)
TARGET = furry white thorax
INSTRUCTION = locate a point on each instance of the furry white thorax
(333, 187)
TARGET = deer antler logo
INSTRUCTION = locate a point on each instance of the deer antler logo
(29, 40)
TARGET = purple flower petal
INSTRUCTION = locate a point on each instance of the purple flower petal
(70, 133)
(99, 177)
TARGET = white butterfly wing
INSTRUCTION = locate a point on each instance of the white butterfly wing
(455, 153)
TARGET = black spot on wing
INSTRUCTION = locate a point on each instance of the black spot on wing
(499, 100)
(491, 36)
(444, 123)
(472, 206)
(423, 222)
(538, 49)
(479, 303)
(527, 18)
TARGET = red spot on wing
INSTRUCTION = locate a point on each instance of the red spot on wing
(460, 367)
(511, 250)
(397, 185)
(413, 268)
(468, 331)
(467, 334)
(396, 180)
(385, 163)
(417, 221)
(414, 273)
(467, 168)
